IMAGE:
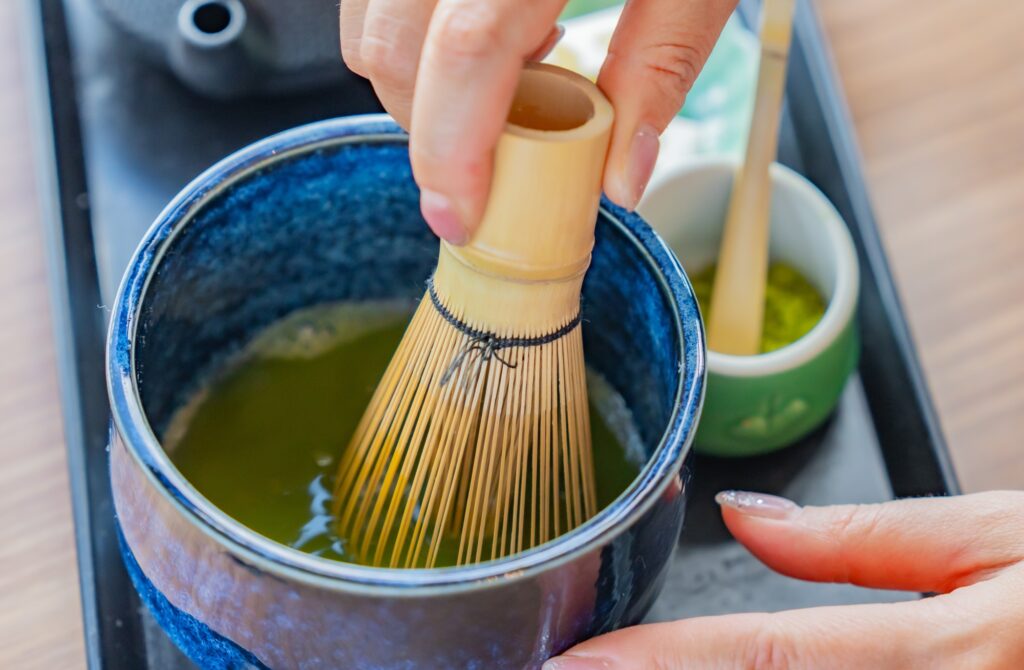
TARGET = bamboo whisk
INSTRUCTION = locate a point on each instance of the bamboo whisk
(478, 435)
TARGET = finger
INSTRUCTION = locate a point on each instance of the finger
(389, 51)
(555, 35)
(923, 544)
(393, 35)
(350, 18)
(472, 58)
(884, 636)
(655, 54)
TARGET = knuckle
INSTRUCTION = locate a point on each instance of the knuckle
(850, 525)
(385, 54)
(674, 66)
(768, 649)
(350, 55)
(847, 519)
(852, 521)
(469, 31)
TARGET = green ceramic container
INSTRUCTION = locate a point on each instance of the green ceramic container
(756, 404)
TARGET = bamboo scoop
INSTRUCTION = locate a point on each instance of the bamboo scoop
(736, 315)
(479, 431)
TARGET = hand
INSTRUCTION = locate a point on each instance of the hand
(447, 71)
(970, 549)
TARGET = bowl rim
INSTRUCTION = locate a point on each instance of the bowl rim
(841, 306)
(140, 441)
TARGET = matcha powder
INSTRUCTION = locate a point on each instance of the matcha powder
(792, 305)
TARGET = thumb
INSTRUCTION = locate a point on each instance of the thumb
(654, 57)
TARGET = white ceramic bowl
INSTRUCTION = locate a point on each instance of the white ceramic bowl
(759, 403)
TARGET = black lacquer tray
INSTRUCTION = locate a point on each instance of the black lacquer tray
(118, 138)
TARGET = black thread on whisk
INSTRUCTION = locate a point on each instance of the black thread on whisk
(486, 345)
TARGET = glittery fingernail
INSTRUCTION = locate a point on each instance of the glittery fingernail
(757, 504)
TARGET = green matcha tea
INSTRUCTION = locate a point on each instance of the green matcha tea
(262, 440)
(792, 306)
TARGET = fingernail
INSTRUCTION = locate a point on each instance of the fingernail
(643, 153)
(576, 663)
(441, 214)
(559, 34)
(550, 42)
(757, 504)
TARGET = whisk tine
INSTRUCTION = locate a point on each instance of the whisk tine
(545, 445)
(535, 457)
(391, 450)
(582, 417)
(405, 453)
(508, 456)
(384, 442)
(476, 493)
(354, 459)
(495, 457)
(438, 423)
(457, 460)
(441, 453)
(513, 467)
(571, 488)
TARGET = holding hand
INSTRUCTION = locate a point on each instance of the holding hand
(447, 71)
(969, 548)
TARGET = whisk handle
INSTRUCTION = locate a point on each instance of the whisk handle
(548, 168)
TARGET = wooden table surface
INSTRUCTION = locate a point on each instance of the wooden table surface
(936, 90)
(40, 614)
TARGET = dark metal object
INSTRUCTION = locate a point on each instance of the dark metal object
(145, 136)
(229, 48)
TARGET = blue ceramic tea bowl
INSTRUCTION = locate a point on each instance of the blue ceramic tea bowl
(329, 212)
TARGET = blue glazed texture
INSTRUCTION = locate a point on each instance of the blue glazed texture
(299, 233)
(203, 646)
(330, 212)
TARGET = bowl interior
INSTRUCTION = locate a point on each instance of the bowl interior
(340, 221)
